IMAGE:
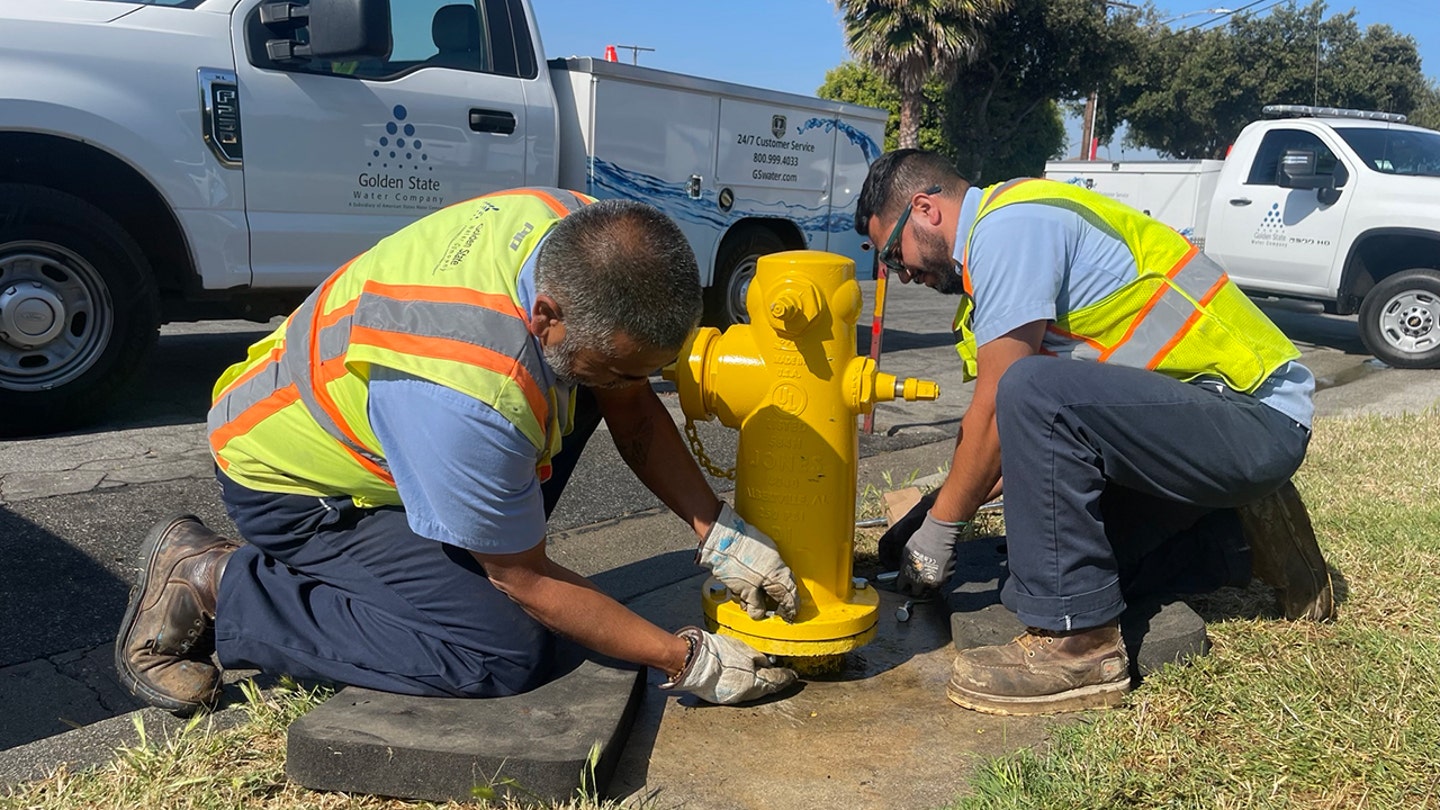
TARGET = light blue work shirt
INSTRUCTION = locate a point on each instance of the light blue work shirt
(465, 473)
(1036, 262)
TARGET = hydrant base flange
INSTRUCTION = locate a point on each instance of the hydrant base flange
(843, 626)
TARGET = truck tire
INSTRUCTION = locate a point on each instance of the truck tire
(1400, 319)
(78, 309)
(734, 269)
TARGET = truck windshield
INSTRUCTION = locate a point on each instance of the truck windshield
(1395, 151)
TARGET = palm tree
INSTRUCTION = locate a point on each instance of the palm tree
(910, 42)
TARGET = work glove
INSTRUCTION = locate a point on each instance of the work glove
(928, 559)
(722, 669)
(743, 558)
(892, 542)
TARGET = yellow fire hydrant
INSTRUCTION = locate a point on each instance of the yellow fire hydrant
(790, 381)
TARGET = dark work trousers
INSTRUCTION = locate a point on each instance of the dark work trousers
(1123, 482)
(329, 591)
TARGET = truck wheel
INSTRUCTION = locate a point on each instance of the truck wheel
(78, 309)
(734, 269)
(1400, 319)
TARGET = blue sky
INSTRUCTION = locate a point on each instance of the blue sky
(789, 44)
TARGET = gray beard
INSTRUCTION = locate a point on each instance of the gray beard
(561, 359)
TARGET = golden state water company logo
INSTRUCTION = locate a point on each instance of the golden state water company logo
(1272, 228)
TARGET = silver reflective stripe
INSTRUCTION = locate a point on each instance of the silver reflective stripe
(505, 335)
(296, 362)
(1179, 302)
(1198, 276)
(1084, 351)
(1155, 329)
(246, 395)
(567, 199)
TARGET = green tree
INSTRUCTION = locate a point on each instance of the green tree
(854, 83)
(912, 42)
(1001, 119)
(1191, 92)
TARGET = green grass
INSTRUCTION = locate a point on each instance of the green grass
(1280, 714)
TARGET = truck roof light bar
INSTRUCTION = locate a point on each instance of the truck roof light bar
(1306, 111)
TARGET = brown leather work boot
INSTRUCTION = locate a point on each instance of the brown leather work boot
(1041, 672)
(164, 648)
(1284, 554)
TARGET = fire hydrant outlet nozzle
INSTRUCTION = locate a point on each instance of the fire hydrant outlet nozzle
(791, 383)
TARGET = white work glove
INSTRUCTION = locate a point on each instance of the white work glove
(723, 669)
(928, 560)
(743, 558)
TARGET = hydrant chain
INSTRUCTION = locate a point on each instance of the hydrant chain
(698, 450)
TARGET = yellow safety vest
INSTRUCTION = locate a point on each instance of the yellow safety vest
(1181, 315)
(439, 300)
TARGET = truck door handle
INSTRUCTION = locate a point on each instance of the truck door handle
(1240, 201)
(498, 121)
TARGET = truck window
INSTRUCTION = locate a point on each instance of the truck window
(485, 36)
(1395, 151)
(1265, 171)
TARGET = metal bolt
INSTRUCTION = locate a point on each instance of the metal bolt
(717, 588)
(902, 613)
(860, 583)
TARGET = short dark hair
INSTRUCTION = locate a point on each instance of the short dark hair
(896, 176)
(621, 266)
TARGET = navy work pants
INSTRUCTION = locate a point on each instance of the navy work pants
(329, 591)
(1122, 481)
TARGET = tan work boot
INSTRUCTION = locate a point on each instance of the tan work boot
(164, 647)
(1284, 554)
(1041, 672)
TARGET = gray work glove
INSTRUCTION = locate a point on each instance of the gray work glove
(892, 542)
(743, 558)
(723, 669)
(928, 559)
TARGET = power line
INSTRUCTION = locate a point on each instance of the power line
(1230, 14)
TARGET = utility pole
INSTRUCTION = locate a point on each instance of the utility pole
(1087, 123)
(635, 52)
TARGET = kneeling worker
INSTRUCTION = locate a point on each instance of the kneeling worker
(392, 452)
(1159, 464)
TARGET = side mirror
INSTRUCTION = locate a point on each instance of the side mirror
(1297, 170)
(332, 29)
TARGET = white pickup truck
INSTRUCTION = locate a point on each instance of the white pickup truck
(1330, 205)
(177, 160)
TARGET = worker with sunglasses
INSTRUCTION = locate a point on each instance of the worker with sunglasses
(1159, 464)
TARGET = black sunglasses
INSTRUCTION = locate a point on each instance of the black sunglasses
(888, 254)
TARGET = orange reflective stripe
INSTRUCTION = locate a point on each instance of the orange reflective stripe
(1214, 289)
(555, 205)
(1094, 344)
(1184, 260)
(1174, 339)
(461, 352)
(1135, 322)
(1189, 323)
(319, 390)
(252, 416)
(444, 295)
(255, 370)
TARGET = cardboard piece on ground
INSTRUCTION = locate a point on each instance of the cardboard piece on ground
(899, 502)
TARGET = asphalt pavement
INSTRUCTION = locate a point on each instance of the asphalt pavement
(74, 507)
